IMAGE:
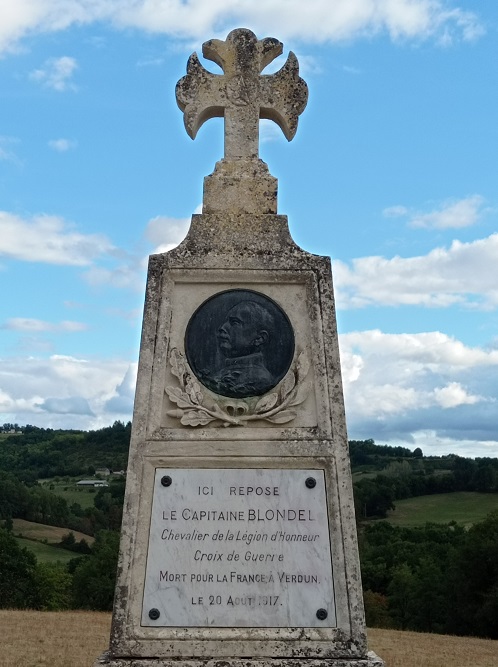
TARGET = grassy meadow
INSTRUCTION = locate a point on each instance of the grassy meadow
(77, 638)
(45, 553)
(40, 540)
(465, 507)
(71, 493)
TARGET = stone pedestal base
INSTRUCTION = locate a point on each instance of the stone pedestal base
(371, 660)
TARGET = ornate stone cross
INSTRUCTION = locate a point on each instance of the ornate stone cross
(242, 95)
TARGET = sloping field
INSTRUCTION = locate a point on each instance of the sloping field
(45, 553)
(75, 639)
(466, 508)
(71, 493)
(40, 532)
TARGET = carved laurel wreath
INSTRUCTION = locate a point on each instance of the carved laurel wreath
(194, 409)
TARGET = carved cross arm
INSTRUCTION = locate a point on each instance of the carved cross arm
(284, 96)
(198, 95)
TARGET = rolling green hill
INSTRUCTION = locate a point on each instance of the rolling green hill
(465, 508)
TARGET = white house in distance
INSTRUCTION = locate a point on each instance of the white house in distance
(92, 482)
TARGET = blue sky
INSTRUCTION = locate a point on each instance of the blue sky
(393, 173)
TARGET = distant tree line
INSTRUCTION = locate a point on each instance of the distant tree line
(39, 453)
(10, 428)
(436, 578)
(367, 453)
(407, 475)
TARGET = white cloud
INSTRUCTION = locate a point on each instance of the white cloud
(163, 232)
(30, 325)
(73, 405)
(450, 214)
(315, 20)
(435, 444)
(63, 391)
(312, 21)
(463, 213)
(427, 390)
(122, 402)
(166, 233)
(433, 350)
(48, 239)
(125, 276)
(453, 21)
(464, 273)
(398, 386)
(26, 17)
(56, 73)
(453, 395)
(62, 145)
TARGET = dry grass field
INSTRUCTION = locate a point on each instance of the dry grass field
(52, 534)
(413, 649)
(52, 639)
(75, 639)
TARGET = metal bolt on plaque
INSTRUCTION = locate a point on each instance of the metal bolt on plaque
(154, 614)
(321, 614)
(311, 482)
(166, 480)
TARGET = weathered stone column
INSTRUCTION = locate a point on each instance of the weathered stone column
(238, 541)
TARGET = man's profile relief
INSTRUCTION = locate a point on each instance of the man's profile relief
(239, 343)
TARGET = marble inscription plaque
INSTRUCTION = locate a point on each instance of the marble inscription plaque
(239, 548)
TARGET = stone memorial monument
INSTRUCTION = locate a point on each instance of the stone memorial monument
(238, 543)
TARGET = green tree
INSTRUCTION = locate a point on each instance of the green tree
(94, 576)
(376, 610)
(18, 580)
(474, 579)
(401, 596)
(485, 479)
(373, 497)
(14, 497)
(428, 609)
(54, 586)
(68, 541)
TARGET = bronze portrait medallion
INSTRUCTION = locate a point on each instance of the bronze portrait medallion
(239, 343)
